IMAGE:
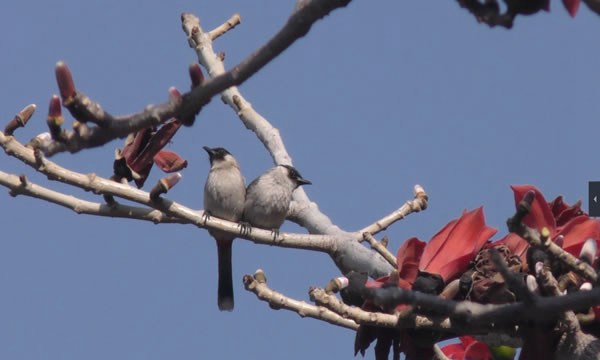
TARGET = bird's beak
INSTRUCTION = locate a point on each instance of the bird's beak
(302, 181)
(211, 154)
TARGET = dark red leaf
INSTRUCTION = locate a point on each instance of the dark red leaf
(449, 252)
(408, 257)
(540, 215)
(572, 6)
(169, 161)
(577, 231)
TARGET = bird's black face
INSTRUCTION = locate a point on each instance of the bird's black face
(295, 176)
(217, 153)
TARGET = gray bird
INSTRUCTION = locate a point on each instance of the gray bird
(224, 196)
(268, 197)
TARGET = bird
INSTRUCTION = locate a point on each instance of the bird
(268, 197)
(224, 196)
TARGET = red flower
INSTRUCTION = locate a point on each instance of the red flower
(570, 222)
(467, 349)
(449, 252)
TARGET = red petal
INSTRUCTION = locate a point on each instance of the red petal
(572, 6)
(454, 351)
(540, 214)
(557, 206)
(467, 340)
(154, 144)
(169, 161)
(577, 231)
(134, 148)
(478, 351)
(449, 252)
(408, 258)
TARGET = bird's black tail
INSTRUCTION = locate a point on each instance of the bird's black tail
(225, 291)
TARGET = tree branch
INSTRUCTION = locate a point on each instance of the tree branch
(20, 185)
(542, 240)
(233, 21)
(257, 284)
(419, 203)
(99, 185)
(348, 254)
(189, 104)
(382, 250)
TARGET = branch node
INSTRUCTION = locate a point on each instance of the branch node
(237, 101)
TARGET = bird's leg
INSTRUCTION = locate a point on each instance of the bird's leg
(275, 233)
(206, 216)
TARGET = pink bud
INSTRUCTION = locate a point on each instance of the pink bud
(196, 75)
(54, 112)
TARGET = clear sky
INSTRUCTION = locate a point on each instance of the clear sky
(378, 97)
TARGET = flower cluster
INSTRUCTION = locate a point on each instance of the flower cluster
(457, 264)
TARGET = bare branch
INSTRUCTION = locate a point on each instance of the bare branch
(419, 203)
(233, 21)
(99, 185)
(22, 186)
(257, 284)
(378, 246)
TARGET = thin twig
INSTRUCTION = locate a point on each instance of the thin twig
(233, 21)
(257, 284)
(419, 203)
(377, 246)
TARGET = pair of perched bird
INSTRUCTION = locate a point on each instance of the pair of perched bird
(263, 204)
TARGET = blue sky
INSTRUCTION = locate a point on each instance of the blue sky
(378, 97)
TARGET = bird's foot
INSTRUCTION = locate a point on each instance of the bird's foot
(245, 228)
(275, 233)
(206, 216)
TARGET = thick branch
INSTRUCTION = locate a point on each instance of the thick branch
(99, 185)
(349, 255)
(477, 315)
(404, 319)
